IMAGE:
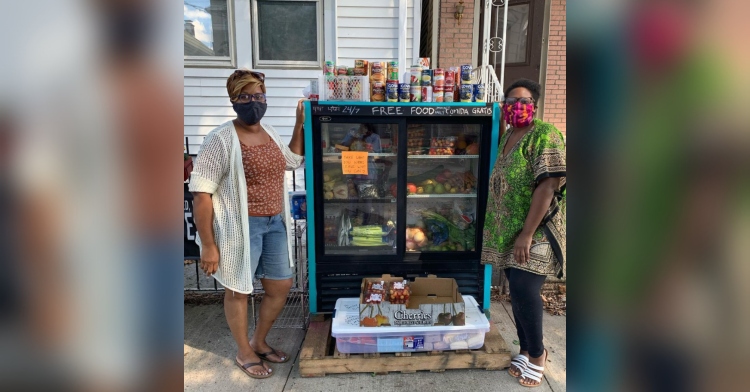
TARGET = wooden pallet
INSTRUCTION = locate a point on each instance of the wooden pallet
(319, 356)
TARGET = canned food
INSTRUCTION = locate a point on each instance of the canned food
(466, 73)
(438, 93)
(378, 91)
(448, 96)
(392, 73)
(329, 68)
(426, 77)
(439, 77)
(360, 67)
(416, 75)
(403, 92)
(427, 94)
(377, 67)
(415, 93)
(479, 92)
(391, 90)
(466, 93)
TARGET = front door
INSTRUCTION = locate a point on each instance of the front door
(523, 51)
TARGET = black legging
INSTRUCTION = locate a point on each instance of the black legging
(526, 301)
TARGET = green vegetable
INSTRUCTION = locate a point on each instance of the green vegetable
(465, 238)
(367, 231)
(367, 241)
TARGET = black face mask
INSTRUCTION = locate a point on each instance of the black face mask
(250, 113)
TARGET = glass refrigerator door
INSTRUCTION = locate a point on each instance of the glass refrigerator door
(359, 199)
(441, 202)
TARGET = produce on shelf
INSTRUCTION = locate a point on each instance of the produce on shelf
(443, 229)
(411, 188)
(415, 238)
(367, 231)
(429, 174)
(341, 191)
(472, 149)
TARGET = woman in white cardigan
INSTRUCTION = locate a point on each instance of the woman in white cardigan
(241, 213)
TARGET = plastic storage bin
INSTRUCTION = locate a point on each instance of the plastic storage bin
(353, 339)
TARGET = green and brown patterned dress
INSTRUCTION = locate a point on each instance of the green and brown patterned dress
(537, 155)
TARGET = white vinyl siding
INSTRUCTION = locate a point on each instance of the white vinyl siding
(369, 30)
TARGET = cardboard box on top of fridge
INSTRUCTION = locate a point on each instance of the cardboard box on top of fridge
(432, 301)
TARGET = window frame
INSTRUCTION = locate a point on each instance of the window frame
(218, 61)
(287, 64)
(530, 16)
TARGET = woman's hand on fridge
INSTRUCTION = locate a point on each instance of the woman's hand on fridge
(301, 111)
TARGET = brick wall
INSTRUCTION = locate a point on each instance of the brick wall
(554, 86)
(455, 40)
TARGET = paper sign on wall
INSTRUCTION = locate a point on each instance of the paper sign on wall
(354, 162)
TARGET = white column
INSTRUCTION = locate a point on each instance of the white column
(402, 23)
(417, 32)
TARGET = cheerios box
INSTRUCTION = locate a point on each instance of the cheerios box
(431, 301)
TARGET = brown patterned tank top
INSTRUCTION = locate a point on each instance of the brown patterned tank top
(264, 173)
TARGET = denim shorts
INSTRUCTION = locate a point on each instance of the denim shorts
(269, 253)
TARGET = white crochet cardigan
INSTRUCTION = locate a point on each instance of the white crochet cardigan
(218, 171)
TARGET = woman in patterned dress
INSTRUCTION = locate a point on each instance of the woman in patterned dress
(524, 230)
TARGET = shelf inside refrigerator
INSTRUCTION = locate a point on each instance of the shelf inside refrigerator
(354, 250)
(443, 156)
(446, 195)
(372, 154)
(360, 201)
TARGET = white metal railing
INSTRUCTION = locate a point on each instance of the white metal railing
(493, 90)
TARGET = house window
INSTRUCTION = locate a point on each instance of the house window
(518, 28)
(209, 35)
(288, 33)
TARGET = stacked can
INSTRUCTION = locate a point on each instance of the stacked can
(415, 84)
(391, 90)
(329, 68)
(467, 92)
(426, 85)
(392, 70)
(361, 67)
(450, 80)
(478, 92)
(438, 88)
(403, 92)
(466, 74)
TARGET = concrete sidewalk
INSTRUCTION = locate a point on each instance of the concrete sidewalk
(209, 361)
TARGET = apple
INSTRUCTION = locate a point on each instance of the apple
(411, 188)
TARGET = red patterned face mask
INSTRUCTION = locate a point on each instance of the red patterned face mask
(519, 114)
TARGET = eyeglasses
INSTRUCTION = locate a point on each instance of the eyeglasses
(524, 100)
(245, 98)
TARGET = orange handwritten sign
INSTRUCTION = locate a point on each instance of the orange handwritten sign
(354, 162)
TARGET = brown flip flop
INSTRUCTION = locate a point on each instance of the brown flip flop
(272, 352)
(248, 365)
